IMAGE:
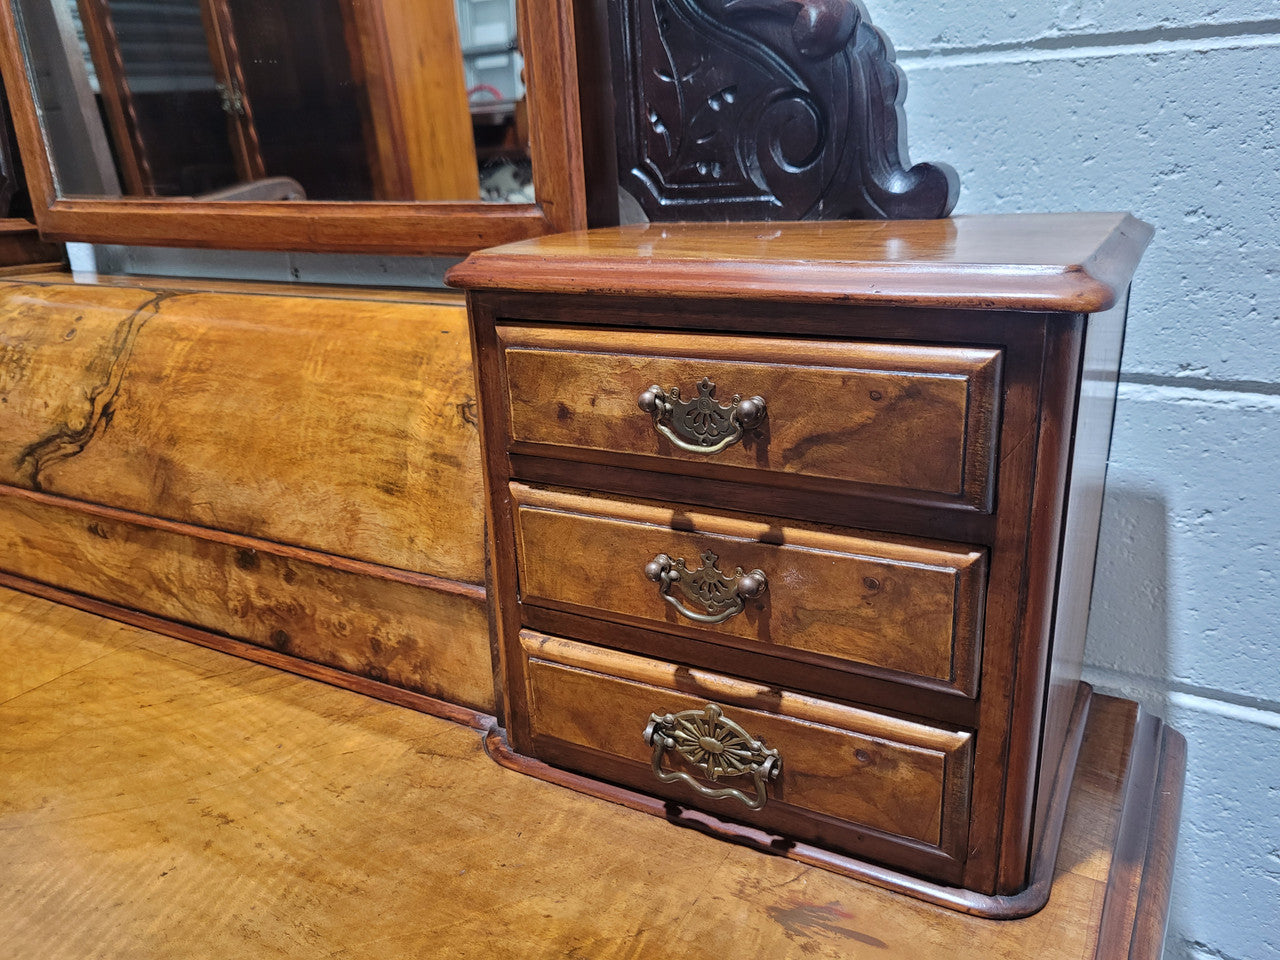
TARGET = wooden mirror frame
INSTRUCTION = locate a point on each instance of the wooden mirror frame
(403, 227)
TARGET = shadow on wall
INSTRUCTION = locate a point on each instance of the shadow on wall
(1127, 652)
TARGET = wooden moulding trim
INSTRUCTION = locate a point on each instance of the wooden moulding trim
(969, 287)
(239, 541)
(442, 227)
(399, 228)
(20, 270)
(1008, 262)
(1157, 872)
(1011, 907)
(1135, 907)
(247, 651)
(56, 275)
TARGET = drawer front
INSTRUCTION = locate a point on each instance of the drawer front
(909, 422)
(913, 607)
(846, 770)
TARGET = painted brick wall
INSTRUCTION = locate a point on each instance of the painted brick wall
(1172, 111)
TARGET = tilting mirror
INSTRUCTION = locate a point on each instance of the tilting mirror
(283, 101)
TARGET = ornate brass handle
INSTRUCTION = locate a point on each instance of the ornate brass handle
(716, 746)
(721, 596)
(701, 424)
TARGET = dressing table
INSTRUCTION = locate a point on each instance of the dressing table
(788, 526)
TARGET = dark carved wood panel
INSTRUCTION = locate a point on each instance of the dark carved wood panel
(764, 110)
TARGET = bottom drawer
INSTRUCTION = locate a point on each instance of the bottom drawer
(850, 779)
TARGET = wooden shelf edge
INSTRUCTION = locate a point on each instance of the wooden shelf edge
(386, 692)
(997, 907)
(1136, 905)
(311, 555)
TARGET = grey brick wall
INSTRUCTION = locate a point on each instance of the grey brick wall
(1171, 111)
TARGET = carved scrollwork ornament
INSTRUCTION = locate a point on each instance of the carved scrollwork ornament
(765, 110)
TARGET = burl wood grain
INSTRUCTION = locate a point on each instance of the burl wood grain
(129, 830)
(421, 638)
(904, 417)
(340, 425)
(906, 773)
(905, 605)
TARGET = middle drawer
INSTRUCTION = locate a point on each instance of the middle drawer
(843, 598)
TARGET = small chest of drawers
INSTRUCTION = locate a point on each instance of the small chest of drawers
(793, 525)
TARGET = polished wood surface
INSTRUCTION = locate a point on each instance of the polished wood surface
(586, 702)
(344, 426)
(919, 420)
(1091, 438)
(447, 227)
(1010, 289)
(285, 472)
(410, 61)
(1070, 262)
(422, 634)
(909, 606)
(21, 244)
(142, 775)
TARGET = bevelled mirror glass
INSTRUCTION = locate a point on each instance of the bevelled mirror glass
(272, 106)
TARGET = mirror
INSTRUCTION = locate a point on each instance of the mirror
(370, 125)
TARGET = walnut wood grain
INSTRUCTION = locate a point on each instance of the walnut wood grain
(908, 606)
(346, 426)
(426, 637)
(919, 421)
(1068, 262)
(108, 741)
(1004, 906)
(1015, 621)
(742, 285)
(70, 601)
(911, 778)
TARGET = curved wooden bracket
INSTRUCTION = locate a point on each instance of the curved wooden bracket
(765, 110)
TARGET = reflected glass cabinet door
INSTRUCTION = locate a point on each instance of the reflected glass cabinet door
(326, 99)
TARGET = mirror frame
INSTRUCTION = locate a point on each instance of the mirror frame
(402, 227)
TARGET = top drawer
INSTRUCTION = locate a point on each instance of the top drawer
(900, 421)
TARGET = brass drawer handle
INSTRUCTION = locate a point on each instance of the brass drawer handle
(716, 746)
(722, 596)
(701, 424)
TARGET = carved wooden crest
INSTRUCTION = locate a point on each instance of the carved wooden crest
(764, 110)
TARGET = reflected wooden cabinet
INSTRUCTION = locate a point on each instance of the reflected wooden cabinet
(352, 100)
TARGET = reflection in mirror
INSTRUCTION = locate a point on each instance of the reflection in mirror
(417, 100)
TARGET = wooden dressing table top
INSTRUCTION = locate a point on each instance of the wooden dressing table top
(160, 799)
(1074, 262)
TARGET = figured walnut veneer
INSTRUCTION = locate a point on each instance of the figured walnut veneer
(287, 469)
(922, 497)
